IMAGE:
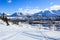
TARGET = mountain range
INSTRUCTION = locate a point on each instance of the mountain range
(41, 13)
(46, 13)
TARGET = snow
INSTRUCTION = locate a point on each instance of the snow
(24, 31)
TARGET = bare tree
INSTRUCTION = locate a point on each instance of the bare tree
(4, 18)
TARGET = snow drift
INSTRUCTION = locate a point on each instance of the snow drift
(24, 31)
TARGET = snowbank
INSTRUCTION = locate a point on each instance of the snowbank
(25, 31)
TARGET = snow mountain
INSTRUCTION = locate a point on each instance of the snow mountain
(1, 14)
(16, 14)
(48, 13)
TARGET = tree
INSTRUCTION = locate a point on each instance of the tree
(4, 18)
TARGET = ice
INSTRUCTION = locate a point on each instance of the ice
(25, 31)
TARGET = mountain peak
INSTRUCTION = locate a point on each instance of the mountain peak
(48, 13)
(17, 14)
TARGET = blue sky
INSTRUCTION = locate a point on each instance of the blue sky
(11, 6)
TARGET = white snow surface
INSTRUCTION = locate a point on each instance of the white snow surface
(25, 31)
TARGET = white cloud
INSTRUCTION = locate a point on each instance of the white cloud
(29, 11)
(36, 9)
(55, 7)
(9, 1)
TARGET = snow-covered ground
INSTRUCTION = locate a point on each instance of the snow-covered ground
(25, 31)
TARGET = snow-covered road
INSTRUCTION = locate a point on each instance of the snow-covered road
(26, 32)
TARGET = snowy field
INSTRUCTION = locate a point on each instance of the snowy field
(26, 32)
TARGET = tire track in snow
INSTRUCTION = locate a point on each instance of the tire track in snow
(46, 36)
(39, 37)
(11, 35)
